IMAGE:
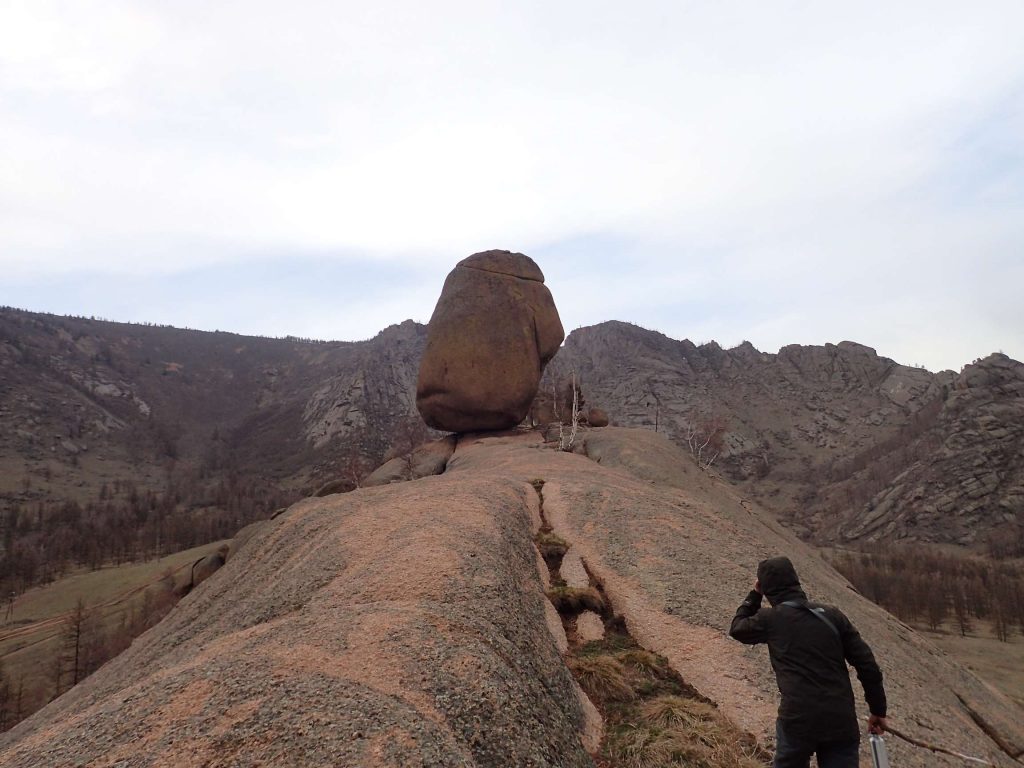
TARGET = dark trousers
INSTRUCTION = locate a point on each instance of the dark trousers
(796, 753)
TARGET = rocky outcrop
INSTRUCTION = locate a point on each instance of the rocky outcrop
(965, 480)
(408, 625)
(675, 550)
(844, 445)
(428, 459)
(494, 329)
(206, 566)
(395, 626)
(363, 401)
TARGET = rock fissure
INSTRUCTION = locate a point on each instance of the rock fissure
(501, 274)
(650, 712)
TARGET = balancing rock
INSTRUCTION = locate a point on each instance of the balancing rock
(493, 330)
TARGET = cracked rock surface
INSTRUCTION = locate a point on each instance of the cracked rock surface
(406, 625)
(395, 626)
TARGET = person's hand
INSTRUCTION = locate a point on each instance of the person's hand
(877, 725)
(757, 586)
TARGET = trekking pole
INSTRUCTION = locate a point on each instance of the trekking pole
(923, 745)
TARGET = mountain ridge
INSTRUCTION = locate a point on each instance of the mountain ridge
(810, 429)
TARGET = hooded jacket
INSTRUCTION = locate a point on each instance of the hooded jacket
(809, 657)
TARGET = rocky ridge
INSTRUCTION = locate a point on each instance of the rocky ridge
(843, 445)
(381, 627)
(820, 435)
(969, 478)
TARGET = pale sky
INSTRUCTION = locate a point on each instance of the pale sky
(780, 172)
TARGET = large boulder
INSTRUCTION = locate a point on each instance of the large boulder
(426, 460)
(494, 329)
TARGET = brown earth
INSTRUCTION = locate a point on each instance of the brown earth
(407, 625)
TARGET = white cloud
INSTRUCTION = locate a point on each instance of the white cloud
(799, 143)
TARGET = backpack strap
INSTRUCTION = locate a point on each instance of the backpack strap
(818, 613)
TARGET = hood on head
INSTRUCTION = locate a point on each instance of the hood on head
(779, 580)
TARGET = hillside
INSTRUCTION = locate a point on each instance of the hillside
(141, 395)
(843, 445)
(125, 441)
(383, 627)
(214, 430)
(119, 602)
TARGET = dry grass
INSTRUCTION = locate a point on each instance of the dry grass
(550, 546)
(644, 661)
(998, 663)
(603, 678)
(678, 731)
(575, 599)
(654, 718)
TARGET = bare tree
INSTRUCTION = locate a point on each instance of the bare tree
(960, 611)
(354, 467)
(6, 697)
(567, 435)
(705, 437)
(408, 435)
(76, 628)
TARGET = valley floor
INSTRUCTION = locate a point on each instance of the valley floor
(34, 628)
(998, 664)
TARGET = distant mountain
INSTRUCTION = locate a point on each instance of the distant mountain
(843, 445)
(72, 388)
(125, 441)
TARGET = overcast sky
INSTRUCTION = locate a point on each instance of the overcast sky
(781, 172)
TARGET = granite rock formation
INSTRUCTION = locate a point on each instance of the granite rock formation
(844, 445)
(964, 474)
(407, 625)
(494, 329)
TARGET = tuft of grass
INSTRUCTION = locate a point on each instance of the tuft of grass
(551, 546)
(654, 718)
(575, 599)
(678, 731)
(668, 711)
(603, 678)
(645, 661)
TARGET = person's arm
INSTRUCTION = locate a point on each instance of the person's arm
(748, 625)
(860, 657)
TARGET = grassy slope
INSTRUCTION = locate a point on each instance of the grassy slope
(998, 664)
(29, 638)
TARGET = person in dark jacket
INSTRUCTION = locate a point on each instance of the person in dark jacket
(809, 645)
